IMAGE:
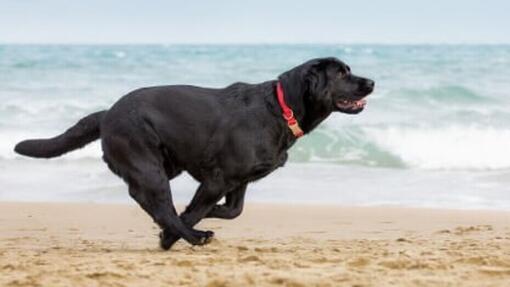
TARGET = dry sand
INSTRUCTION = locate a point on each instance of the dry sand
(51, 244)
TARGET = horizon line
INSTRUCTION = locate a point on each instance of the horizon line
(77, 43)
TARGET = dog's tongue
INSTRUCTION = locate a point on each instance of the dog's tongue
(361, 103)
(346, 104)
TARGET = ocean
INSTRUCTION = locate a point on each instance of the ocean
(435, 133)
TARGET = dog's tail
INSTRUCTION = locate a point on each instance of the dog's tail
(77, 136)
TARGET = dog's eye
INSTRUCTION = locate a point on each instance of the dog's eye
(342, 74)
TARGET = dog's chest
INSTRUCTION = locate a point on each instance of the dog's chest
(265, 156)
(251, 150)
(266, 161)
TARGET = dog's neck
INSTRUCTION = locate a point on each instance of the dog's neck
(295, 97)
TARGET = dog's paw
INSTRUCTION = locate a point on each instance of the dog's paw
(167, 239)
(203, 237)
(207, 236)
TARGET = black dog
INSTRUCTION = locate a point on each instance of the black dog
(224, 138)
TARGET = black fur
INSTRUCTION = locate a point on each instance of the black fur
(224, 138)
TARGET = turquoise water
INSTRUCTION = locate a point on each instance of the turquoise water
(438, 119)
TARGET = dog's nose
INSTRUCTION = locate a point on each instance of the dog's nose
(369, 84)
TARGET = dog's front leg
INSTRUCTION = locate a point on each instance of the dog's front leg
(233, 206)
(204, 200)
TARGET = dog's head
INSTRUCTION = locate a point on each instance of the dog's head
(326, 85)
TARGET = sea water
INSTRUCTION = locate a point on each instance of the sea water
(436, 131)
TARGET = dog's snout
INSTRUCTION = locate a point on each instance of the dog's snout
(369, 84)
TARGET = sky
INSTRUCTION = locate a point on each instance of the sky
(260, 21)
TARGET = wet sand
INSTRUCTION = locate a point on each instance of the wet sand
(77, 244)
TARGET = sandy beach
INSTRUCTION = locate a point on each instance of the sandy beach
(78, 244)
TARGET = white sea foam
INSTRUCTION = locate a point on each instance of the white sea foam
(454, 147)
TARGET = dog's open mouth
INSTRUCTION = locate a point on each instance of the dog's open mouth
(350, 105)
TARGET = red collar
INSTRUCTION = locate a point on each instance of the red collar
(288, 114)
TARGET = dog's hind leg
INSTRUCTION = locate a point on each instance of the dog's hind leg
(152, 192)
(150, 188)
(144, 172)
(234, 202)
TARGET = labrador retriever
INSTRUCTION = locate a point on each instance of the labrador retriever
(224, 138)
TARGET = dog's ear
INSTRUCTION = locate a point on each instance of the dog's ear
(317, 78)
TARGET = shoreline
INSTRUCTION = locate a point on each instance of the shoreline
(87, 244)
